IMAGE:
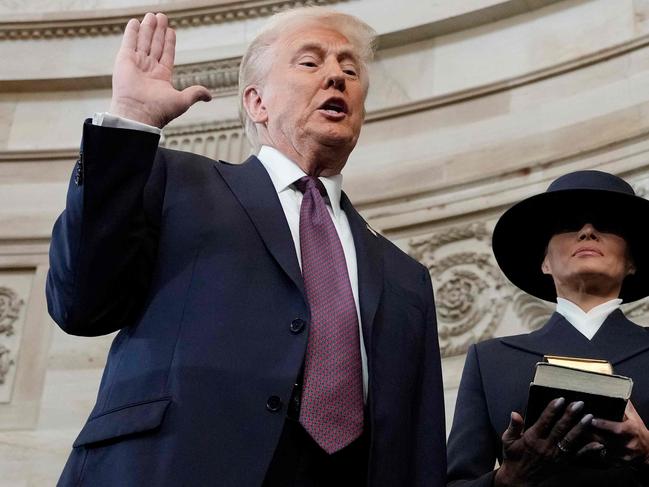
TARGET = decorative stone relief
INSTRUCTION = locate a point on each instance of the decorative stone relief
(471, 292)
(532, 312)
(219, 140)
(10, 306)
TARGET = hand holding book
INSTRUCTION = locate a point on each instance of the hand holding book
(628, 439)
(533, 454)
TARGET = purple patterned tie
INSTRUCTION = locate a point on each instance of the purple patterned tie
(332, 394)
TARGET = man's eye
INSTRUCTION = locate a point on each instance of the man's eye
(308, 64)
(350, 72)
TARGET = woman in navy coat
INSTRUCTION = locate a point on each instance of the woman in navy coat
(583, 245)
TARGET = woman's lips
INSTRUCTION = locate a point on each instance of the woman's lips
(587, 251)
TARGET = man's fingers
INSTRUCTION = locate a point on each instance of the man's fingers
(169, 49)
(562, 427)
(196, 93)
(514, 430)
(158, 40)
(129, 41)
(145, 35)
(548, 417)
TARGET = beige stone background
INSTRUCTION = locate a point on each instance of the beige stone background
(474, 104)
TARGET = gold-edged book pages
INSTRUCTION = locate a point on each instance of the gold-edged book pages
(589, 364)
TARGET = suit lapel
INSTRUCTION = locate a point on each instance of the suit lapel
(252, 186)
(369, 260)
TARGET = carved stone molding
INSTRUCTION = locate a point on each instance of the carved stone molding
(220, 77)
(470, 289)
(203, 128)
(476, 230)
(223, 140)
(189, 17)
(10, 306)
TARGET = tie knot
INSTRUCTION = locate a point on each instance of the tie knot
(308, 183)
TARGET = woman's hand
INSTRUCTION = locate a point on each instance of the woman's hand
(531, 455)
(628, 439)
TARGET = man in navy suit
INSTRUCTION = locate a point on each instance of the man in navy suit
(267, 335)
(581, 244)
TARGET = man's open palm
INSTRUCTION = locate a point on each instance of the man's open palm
(142, 88)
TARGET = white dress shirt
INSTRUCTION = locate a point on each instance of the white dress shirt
(586, 323)
(283, 173)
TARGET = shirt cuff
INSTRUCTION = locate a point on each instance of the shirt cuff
(105, 119)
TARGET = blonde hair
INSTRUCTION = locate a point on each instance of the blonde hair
(256, 60)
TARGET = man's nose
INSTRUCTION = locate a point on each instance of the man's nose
(588, 232)
(335, 77)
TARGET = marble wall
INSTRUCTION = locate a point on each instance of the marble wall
(473, 105)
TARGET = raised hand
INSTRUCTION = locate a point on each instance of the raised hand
(532, 455)
(142, 89)
(628, 439)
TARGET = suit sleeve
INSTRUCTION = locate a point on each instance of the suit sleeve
(431, 434)
(473, 445)
(104, 243)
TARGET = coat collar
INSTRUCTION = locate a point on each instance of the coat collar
(254, 189)
(617, 340)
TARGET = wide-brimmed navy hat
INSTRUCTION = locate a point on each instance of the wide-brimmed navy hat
(606, 201)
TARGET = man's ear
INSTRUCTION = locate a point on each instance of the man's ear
(545, 266)
(254, 104)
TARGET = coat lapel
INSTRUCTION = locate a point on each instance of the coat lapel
(369, 258)
(557, 337)
(618, 339)
(254, 189)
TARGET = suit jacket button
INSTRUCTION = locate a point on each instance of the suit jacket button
(274, 404)
(297, 325)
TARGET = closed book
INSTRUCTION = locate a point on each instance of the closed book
(596, 365)
(604, 395)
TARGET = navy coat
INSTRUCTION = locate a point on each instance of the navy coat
(193, 261)
(495, 382)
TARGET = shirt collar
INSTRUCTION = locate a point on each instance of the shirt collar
(284, 172)
(586, 323)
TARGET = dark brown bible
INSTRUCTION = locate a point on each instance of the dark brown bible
(604, 395)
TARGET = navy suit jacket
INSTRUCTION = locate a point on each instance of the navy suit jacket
(193, 261)
(495, 382)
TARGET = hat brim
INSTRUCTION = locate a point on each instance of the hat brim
(522, 233)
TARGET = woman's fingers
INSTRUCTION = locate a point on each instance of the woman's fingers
(571, 415)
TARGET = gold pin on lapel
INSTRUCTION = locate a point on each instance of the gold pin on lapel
(372, 231)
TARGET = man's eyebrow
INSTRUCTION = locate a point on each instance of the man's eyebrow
(345, 53)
